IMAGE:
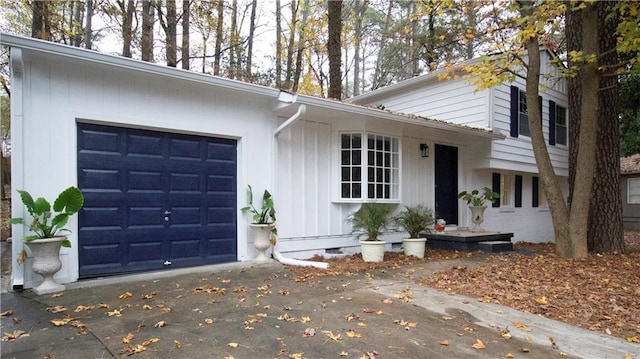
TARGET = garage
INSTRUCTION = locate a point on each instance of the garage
(154, 200)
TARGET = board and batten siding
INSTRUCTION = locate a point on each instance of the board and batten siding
(310, 218)
(57, 92)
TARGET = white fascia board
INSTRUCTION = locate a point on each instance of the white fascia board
(387, 115)
(55, 49)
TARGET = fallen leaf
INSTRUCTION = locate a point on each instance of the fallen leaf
(343, 354)
(542, 300)
(57, 295)
(61, 322)
(387, 301)
(177, 344)
(14, 335)
(6, 313)
(128, 338)
(232, 345)
(521, 326)
(553, 343)
(56, 309)
(208, 321)
(444, 342)
(114, 312)
(16, 320)
(335, 337)
(160, 324)
(309, 332)
(509, 355)
(479, 344)
(369, 310)
(353, 334)
(125, 295)
(299, 355)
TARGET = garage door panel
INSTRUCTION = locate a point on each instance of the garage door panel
(220, 150)
(148, 145)
(140, 177)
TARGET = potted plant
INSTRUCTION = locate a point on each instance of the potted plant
(415, 219)
(476, 201)
(263, 223)
(47, 228)
(371, 220)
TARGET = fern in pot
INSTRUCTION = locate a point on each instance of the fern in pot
(372, 219)
(415, 220)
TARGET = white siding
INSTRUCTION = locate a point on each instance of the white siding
(59, 92)
(453, 101)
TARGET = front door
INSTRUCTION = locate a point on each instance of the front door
(446, 173)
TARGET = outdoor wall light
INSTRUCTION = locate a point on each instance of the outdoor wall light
(424, 150)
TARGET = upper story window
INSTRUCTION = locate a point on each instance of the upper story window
(561, 125)
(558, 122)
(523, 118)
(381, 163)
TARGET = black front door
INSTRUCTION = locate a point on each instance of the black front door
(446, 173)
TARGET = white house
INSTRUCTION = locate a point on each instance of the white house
(163, 157)
(507, 166)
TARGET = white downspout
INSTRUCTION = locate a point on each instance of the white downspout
(276, 254)
(301, 110)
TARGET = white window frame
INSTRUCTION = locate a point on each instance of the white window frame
(523, 114)
(633, 190)
(379, 168)
(506, 190)
(561, 126)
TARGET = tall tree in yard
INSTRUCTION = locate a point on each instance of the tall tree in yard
(148, 18)
(169, 23)
(186, 22)
(605, 232)
(127, 9)
(334, 48)
(41, 20)
(218, 48)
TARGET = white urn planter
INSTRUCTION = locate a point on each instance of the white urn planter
(414, 246)
(46, 262)
(261, 240)
(477, 213)
(372, 251)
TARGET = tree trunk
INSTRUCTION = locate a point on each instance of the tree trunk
(127, 24)
(40, 26)
(360, 8)
(292, 36)
(88, 28)
(605, 215)
(219, 28)
(278, 45)
(587, 141)
(559, 211)
(186, 47)
(76, 24)
(233, 43)
(148, 15)
(383, 41)
(334, 48)
(252, 29)
(171, 33)
(299, 54)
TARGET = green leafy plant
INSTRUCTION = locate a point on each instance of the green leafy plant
(44, 222)
(476, 198)
(415, 219)
(267, 212)
(371, 220)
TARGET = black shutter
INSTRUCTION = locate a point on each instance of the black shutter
(496, 188)
(534, 191)
(540, 107)
(552, 123)
(518, 196)
(514, 111)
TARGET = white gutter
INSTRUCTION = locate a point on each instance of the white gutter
(301, 110)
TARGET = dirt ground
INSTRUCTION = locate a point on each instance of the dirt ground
(600, 293)
(5, 213)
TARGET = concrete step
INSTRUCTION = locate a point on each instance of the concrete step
(495, 246)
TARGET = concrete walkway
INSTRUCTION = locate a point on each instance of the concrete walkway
(242, 310)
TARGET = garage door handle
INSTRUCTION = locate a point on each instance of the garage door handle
(166, 213)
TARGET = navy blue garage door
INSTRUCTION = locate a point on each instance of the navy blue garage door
(154, 200)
